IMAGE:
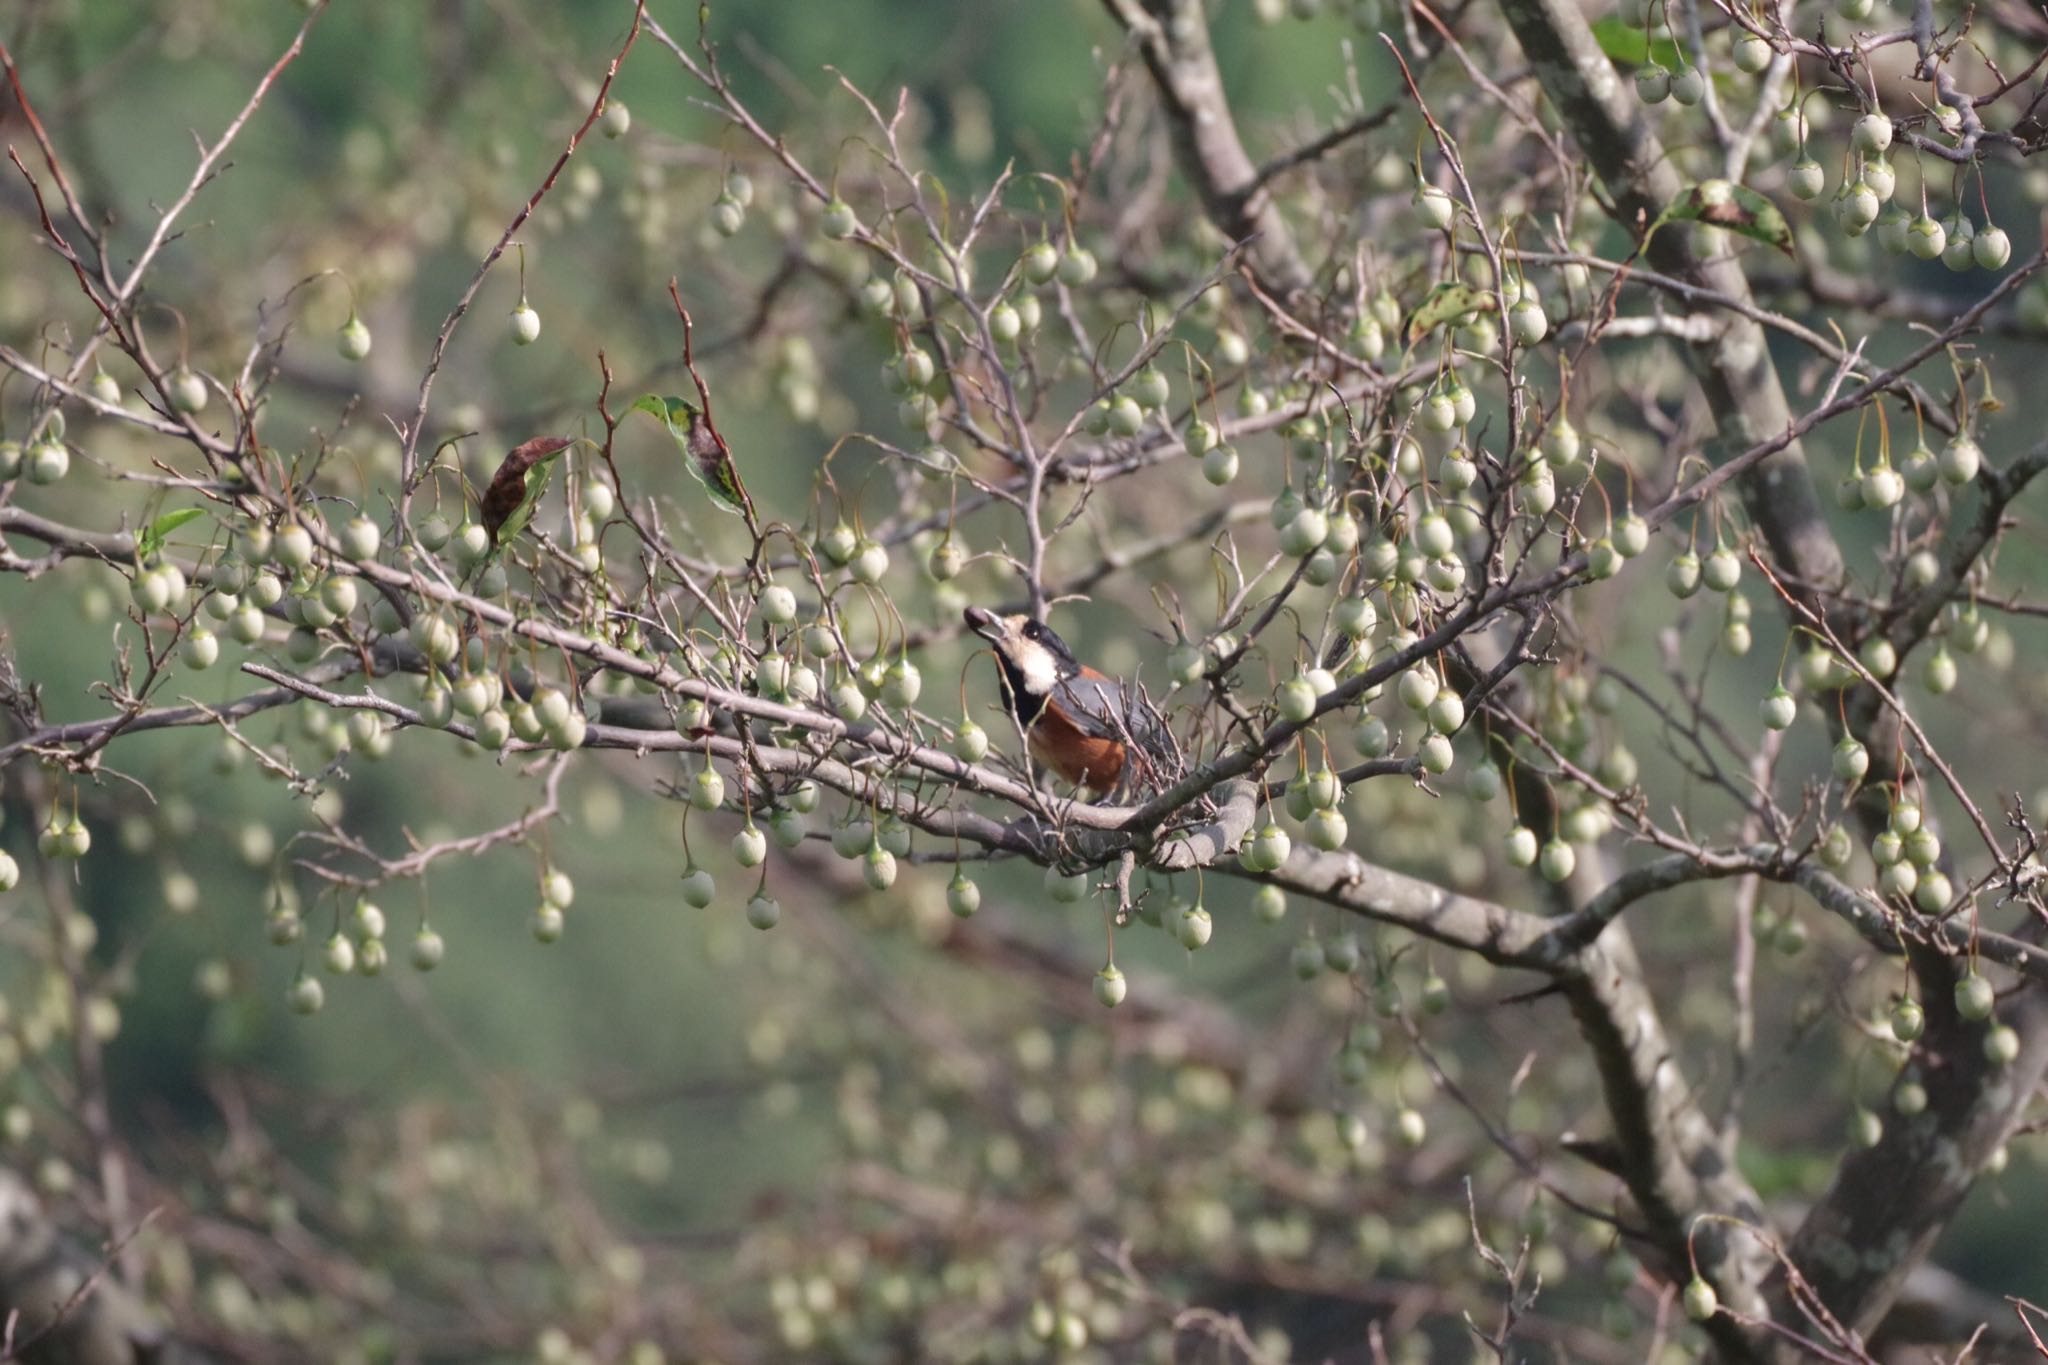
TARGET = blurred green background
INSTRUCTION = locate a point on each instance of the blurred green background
(394, 151)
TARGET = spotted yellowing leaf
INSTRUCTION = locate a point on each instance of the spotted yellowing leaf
(1450, 302)
(515, 490)
(709, 456)
(1733, 208)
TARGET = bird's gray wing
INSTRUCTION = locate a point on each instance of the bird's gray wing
(1104, 708)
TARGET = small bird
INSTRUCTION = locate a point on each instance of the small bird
(1089, 728)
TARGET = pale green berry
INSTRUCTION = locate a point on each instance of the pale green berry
(1269, 904)
(1434, 206)
(1342, 953)
(339, 956)
(1149, 387)
(1974, 996)
(1940, 673)
(1883, 486)
(305, 995)
(525, 324)
(1484, 782)
(1871, 134)
(353, 341)
(1268, 849)
(428, 949)
(1077, 267)
(1959, 253)
(946, 561)
(1295, 700)
(839, 220)
(1371, 738)
(1836, 847)
(749, 846)
(547, 923)
(1892, 225)
(1304, 532)
(1005, 323)
(1721, 570)
(1326, 830)
(728, 215)
(188, 392)
(1991, 248)
(47, 462)
(1926, 238)
(1065, 888)
(1779, 708)
(1856, 208)
(1110, 987)
(1933, 894)
(1457, 472)
(878, 868)
(1806, 179)
(1557, 861)
(870, 561)
(1683, 577)
(901, 684)
(1960, 459)
(1418, 688)
(1433, 535)
(1355, 616)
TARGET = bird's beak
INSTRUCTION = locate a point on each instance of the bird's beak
(986, 624)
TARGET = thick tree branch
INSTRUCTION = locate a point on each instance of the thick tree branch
(1749, 405)
(1174, 36)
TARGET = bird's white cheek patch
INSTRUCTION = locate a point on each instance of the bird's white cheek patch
(1041, 675)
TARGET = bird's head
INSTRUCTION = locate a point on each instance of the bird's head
(1033, 657)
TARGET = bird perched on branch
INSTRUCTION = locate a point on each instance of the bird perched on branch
(1091, 729)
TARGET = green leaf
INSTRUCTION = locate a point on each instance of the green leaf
(1629, 46)
(1449, 302)
(1734, 208)
(710, 459)
(151, 542)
